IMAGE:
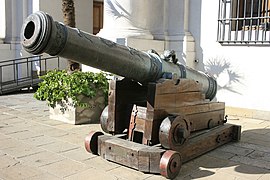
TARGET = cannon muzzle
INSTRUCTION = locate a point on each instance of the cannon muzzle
(40, 33)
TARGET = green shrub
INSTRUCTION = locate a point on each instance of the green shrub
(59, 86)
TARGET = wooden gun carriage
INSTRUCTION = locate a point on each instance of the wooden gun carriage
(158, 117)
(175, 125)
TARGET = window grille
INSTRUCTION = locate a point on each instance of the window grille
(244, 22)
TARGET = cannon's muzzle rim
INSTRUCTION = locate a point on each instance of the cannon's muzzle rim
(36, 31)
(212, 87)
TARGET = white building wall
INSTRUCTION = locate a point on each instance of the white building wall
(248, 65)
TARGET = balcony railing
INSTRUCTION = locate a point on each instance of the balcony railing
(16, 74)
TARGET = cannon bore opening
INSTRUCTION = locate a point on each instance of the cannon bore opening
(29, 30)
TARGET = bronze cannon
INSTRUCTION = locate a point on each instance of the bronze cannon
(159, 115)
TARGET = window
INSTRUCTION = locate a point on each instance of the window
(244, 22)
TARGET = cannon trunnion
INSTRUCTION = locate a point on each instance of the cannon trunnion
(158, 117)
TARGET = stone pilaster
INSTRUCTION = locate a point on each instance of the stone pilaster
(2, 21)
(14, 21)
(129, 22)
(174, 26)
(189, 51)
(124, 19)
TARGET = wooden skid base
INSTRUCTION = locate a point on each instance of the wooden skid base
(147, 158)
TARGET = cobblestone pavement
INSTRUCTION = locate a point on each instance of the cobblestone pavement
(34, 147)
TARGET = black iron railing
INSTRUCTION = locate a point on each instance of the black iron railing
(244, 22)
(16, 74)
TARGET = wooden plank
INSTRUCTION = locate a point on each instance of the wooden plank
(141, 157)
(155, 113)
(197, 107)
(101, 144)
(201, 120)
(140, 125)
(207, 141)
(144, 161)
(155, 156)
(148, 130)
(185, 85)
(189, 97)
(121, 151)
(165, 101)
(150, 159)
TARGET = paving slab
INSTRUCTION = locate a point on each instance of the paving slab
(41, 128)
(123, 172)
(78, 154)
(44, 176)
(214, 176)
(209, 162)
(59, 146)
(219, 154)
(8, 143)
(6, 117)
(244, 171)
(22, 135)
(39, 140)
(19, 172)
(64, 168)
(251, 146)
(256, 162)
(41, 159)
(8, 161)
(265, 177)
(235, 150)
(73, 138)
(188, 168)
(98, 163)
(9, 129)
(260, 155)
(93, 174)
(21, 150)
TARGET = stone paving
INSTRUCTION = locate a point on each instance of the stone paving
(33, 147)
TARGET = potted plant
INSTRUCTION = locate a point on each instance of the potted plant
(74, 98)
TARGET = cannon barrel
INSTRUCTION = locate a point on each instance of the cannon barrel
(40, 33)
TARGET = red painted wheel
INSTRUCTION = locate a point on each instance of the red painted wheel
(170, 164)
(91, 142)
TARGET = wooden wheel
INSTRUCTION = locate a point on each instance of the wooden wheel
(174, 132)
(170, 164)
(91, 142)
(104, 120)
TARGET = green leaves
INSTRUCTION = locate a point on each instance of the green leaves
(59, 86)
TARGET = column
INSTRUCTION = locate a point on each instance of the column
(2, 21)
(174, 26)
(14, 37)
(125, 18)
(189, 52)
(174, 19)
(35, 5)
(26, 10)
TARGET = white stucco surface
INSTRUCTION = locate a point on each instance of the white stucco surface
(250, 64)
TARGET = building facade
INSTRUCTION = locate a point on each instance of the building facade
(228, 39)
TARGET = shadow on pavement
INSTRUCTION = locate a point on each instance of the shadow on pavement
(247, 158)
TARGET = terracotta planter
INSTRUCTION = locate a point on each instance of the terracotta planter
(80, 115)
